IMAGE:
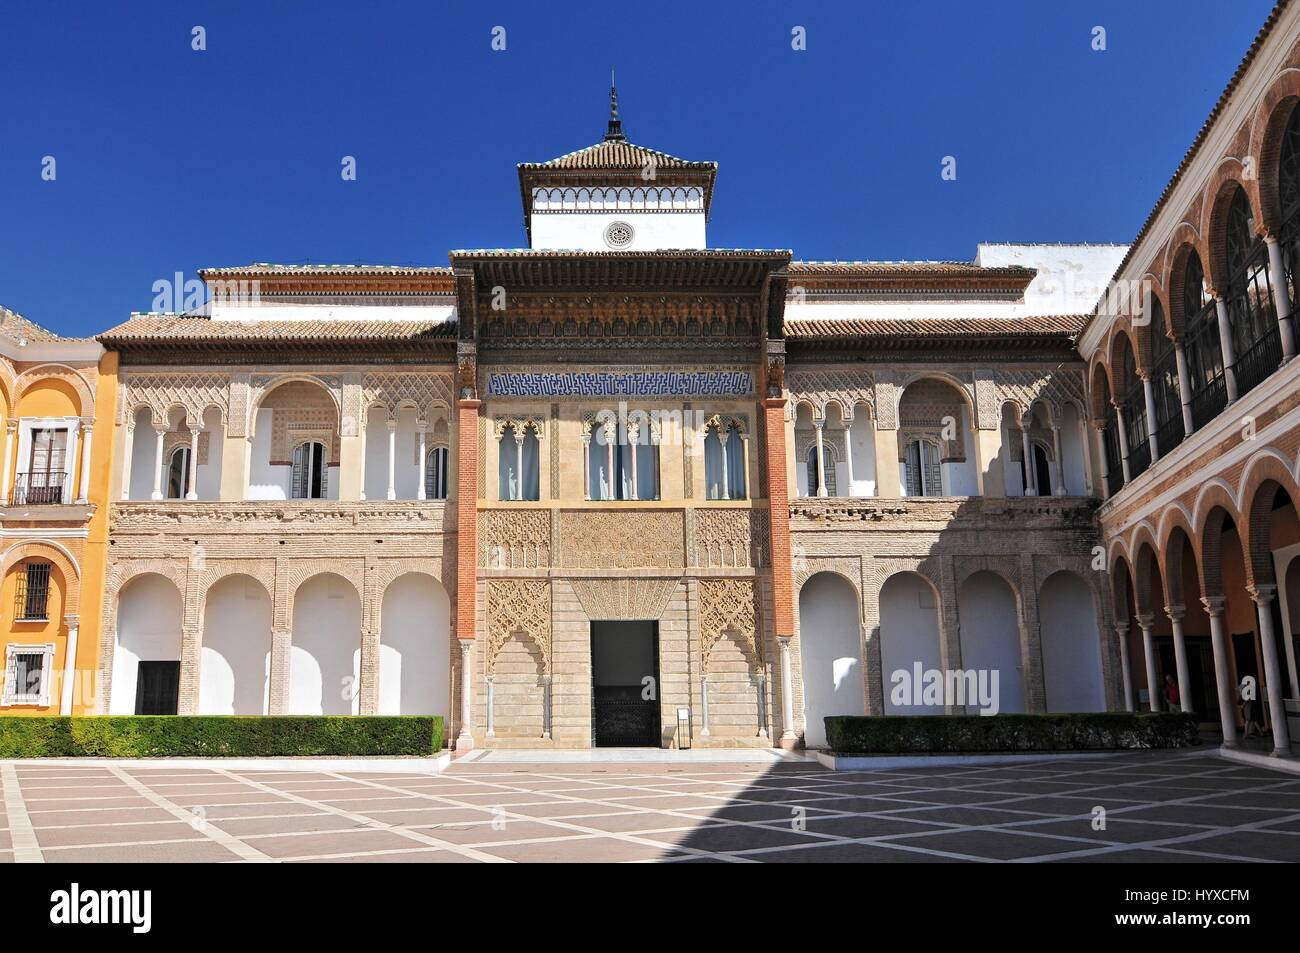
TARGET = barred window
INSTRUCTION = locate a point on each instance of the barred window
(27, 675)
(32, 592)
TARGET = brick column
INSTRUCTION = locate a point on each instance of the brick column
(778, 497)
(466, 548)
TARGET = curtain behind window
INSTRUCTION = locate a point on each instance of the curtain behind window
(736, 464)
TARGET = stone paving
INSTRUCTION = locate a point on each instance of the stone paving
(1158, 807)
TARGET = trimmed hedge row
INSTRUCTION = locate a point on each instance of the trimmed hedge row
(1085, 731)
(199, 736)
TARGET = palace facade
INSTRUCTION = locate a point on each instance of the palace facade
(618, 487)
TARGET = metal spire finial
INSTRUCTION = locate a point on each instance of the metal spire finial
(615, 131)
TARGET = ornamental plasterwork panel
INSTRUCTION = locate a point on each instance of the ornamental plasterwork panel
(292, 516)
(886, 402)
(615, 539)
(624, 598)
(1055, 387)
(988, 409)
(514, 539)
(651, 382)
(729, 607)
(429, 394)
(730, 538)
(805, 439)
(259, 385)
(819, 387)
(724, 422)
(518, 607)
(521, 425)
(193, 391)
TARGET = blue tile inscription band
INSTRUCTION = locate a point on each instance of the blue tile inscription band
(632, 384)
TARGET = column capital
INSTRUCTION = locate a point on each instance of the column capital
(1175, 611)
(1263, 593)
(466, 645)
(1121, 629)
(1146, 620)
(784, 642)
(1213, 605)
(392, 425)
(70, 619)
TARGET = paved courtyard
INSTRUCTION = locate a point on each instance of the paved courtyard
(1158, 807)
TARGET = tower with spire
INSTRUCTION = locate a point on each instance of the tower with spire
(616, 196)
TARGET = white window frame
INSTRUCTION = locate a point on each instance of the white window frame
(10, 696)
(27, 426)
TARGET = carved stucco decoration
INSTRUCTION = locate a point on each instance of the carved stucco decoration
(729, 607)
(515, 539)
(614, 539)
(518, 607)
(623, 598)
(820, 388)
(194, 392)
(429, 394)
(730, 538)
(886, 402)
(1055, 388)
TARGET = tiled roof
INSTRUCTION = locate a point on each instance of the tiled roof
(154, 327)
(622, 156)
(1204, 132)
(952, 269)
(267, 268)
(16, 326)
(1047, 326)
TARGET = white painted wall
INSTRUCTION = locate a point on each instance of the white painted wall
(144, 447)
(415, 648)
(1072, 459)
(148, 630)
(990, 637)
(862, 444)
(235, 666)
(1067, 621)
(432, 308)
(830, 654)
(266, 482)
(585, 231)
(909, 633)
(325, 661)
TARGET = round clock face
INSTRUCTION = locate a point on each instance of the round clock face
(619, 234)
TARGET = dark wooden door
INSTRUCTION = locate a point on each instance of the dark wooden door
(157, 686)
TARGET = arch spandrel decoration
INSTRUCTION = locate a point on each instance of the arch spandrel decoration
(429, 394)
(820, 388)
(194, 392)
(729, 607)
(514, 607)
(1054, 388)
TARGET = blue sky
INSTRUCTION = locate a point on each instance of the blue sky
(171, 160)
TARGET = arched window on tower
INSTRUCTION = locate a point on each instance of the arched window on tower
(310, 471)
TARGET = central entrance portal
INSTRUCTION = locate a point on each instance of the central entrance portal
(625, 684)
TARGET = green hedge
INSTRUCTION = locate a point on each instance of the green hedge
(199, 736)
(930, 734)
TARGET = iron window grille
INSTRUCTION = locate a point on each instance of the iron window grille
(32, 593)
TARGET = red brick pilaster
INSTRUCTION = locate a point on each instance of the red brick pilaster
(778, 496)
(466, 516)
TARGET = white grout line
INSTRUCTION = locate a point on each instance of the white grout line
(26, 848)
(228, 841)
(369, 822)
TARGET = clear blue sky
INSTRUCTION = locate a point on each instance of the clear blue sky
(171, 160)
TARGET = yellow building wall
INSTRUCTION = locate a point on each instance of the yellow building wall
(56, 398)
